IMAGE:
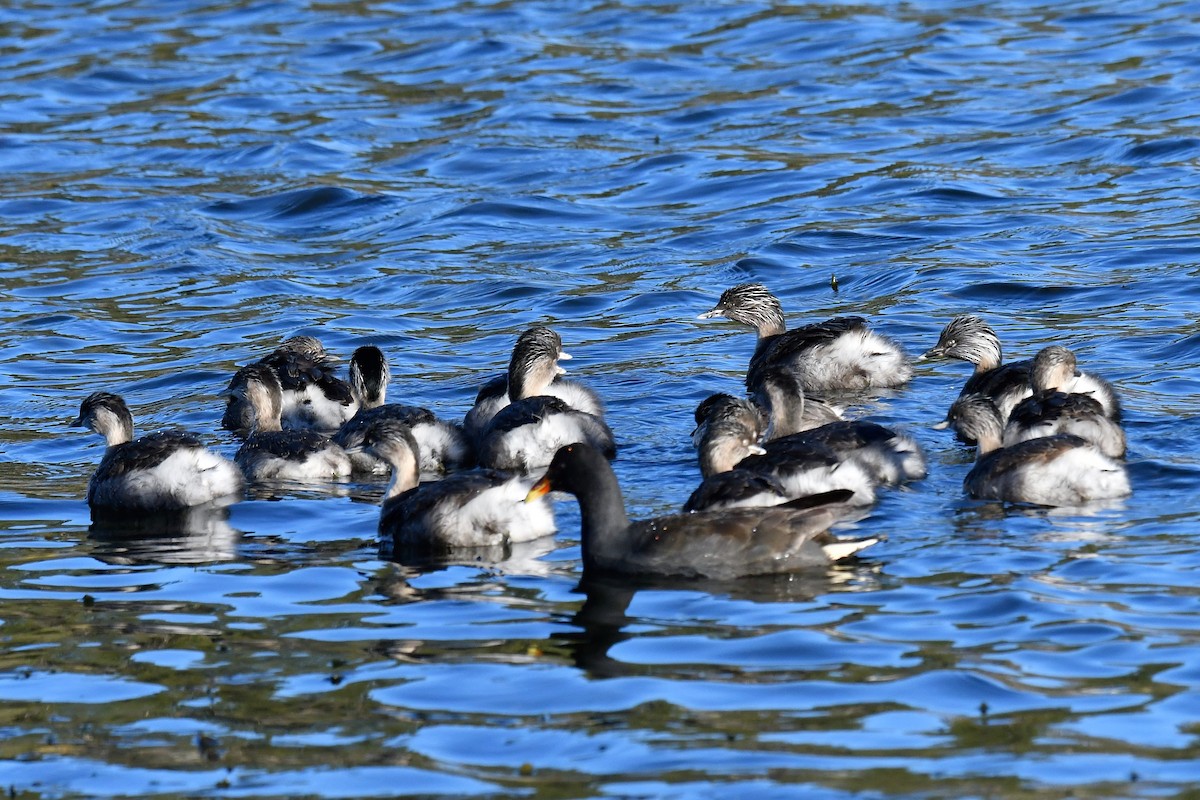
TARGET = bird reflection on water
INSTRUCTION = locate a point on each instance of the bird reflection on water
(603, 620)
(199, 535)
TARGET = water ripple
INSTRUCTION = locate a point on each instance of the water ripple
(185, 191)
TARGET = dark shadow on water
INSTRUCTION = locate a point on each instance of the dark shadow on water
(516, 558)
(277, 490)
(604, 622)
(300, 205)
(200, 535)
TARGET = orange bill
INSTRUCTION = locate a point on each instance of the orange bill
(540, 489)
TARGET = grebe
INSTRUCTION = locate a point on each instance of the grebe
(442, 445)
(888, 456)
(312, 396)
(474, 508)
(839, 354)
(533, 370)
(1059, 470)
(271, 453)
(167, 471)
(1053, 408)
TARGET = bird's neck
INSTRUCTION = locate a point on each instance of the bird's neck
(786, 417)
(986, 365)
(529, 382)
(989, 355)
(405, 476)
(768, 327)
(116, 435)
(987, 442)
(604, 522)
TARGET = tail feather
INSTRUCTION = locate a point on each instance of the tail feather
(836, 551)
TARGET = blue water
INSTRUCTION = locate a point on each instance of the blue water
(187, 184)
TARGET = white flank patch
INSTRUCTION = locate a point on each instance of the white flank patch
(477, 419)
(188, 477)
(1079, 475)
(1100, 431)
(326, 414)
(836, 551)
(893, 462)
(531, 447)
(577, 396)
(1006, 402)
(846, 475)
(855, 360)
(439, 444)
(1101, 392)
(496, 516)
(331, 462)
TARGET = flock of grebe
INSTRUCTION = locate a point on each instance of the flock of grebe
(779, 465)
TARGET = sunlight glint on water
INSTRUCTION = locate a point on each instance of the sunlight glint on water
(186, 187)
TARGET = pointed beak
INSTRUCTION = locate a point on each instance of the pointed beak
(716, 312)
(943, 425)
(563, 355)
(933, 352)
(539, 490)
(77, 423)
(756, 450)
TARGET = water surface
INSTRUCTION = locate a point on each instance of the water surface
(187, 184)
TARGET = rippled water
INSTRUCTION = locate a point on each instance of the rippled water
(186, 184)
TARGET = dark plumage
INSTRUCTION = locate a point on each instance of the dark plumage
(270, 452)
(443, 446)
(533, 370)
(717, 544)
(737, 488)
(1059, 470)
(839, 354)
(525, 434)
(475, 508)
(164, 472)
(1005, 385)
(369, 376)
